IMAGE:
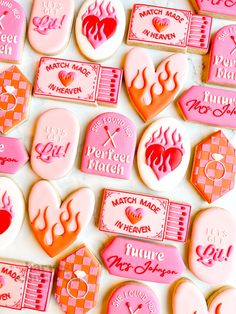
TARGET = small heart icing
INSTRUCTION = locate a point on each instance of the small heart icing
(134, 215)
(57, 225)
(160, 24)
(66, 78)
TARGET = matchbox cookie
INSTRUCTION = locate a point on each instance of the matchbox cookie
(169, 29)
(222, 62)
(56, 225)
(81, 82)
(134, 297)
(50, 25)
(109, 146)
(55, 143)
(100, 28)
(144, 216)
(146, 261)
(214, 167)
(163, 154)
(152, 90)
(12, 31)
(15, 94)
(209, 105)
(225, 9)
(212, 252)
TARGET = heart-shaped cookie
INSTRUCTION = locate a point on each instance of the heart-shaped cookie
(150, 90)
(56, 225)
(160, 24)
(66, 78)
(134, 215)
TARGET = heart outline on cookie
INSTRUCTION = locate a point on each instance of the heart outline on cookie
(134, 215)
(66, 78)
(160, 24)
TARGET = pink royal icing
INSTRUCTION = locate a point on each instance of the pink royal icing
(142, 260)
(109, 146)
(133, 298)
(212, 251)
(217, 8)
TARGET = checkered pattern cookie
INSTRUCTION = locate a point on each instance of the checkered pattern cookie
(70, 290)
(15, 93)
(214, 167)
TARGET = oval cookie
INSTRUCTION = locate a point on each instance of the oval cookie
(223, 301)
(55, 144)
(163, 154)
(50, 25)
(133, 298)
(212, 246)
(100, 27)
(12, 210)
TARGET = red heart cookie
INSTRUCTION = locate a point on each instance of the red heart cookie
(66, 78)
(160, 24)
(56, 225)
(134, 215)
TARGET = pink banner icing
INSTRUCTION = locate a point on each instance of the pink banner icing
(219, 8)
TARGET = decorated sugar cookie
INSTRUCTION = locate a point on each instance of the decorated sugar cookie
(56, 225)
(213, 172)
(169, 29)
(12, 31)
(50, 25)
(78, 281)
(225, 9)
(109, 146)
(222, 62)
(55, 143)
(15, 94)
(150, 90)
(163, 154)
(100, 27)
(212, 251)
(132, 297)
(223, 301)
(12, 211)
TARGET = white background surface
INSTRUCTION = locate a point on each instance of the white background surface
(26, 248)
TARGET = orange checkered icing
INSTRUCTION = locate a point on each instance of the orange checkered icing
(80, 260)
(214, 167)
(14, 105)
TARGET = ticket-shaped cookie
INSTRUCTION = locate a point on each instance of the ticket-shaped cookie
(84, 82)
(144, 216)
(225, 9)
(169, 29)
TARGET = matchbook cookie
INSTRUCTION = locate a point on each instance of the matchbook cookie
(222, 64)
(208, 105)
(134, 298)
(152, 90)
(144, 216)
(81, 82)
(163, 154)
(55, 143)
(12, 31)
(12, 211)
(214, 167)
(169, 29)
(145, 261)
(109, 146)
(50, 25)
(56, 225)
(225, 9)
(212, 251)
(100, 28)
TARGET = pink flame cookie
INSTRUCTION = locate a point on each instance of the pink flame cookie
(163, 154)
(12, 211)
(142, 260)
(208, 105)
(212, 251)
(109, 146)
(100, 28)
(25, 286)
(55, 143)
(150, 90)
(225, 9)
(57, 225)
(169, 29)
(222, 301)
(133, 298)
(144, 216)
(222, 58)
(50, 25)
(12, 31)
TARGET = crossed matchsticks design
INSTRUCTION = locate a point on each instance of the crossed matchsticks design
(131, 310)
